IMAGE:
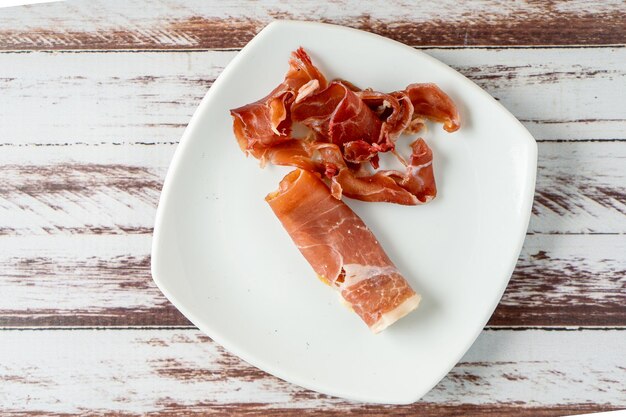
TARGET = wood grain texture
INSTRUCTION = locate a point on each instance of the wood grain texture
(573, 191)
(84, 280)
(558, 94)
(114, 189)
(81, 280)
(560, 280)
(79, 185)
(141, 371)
(423, 409)
(213, 24)
(91, 165)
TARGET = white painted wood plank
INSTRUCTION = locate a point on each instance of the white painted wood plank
(556, 93)
(93, 275)
(146, 371)
(115, 188)
(448, 10)
(580, 188)
(567, 280)
(149, 97)
(81, 189)
(105, 279)
(197, 23)
(102, 97)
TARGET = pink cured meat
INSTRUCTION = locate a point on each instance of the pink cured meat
(342, 250)
(431, 102)
(338, 115)
(349, 127)
(415, 185)
(266, 123)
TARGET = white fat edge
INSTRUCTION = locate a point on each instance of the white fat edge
(275, 128)
(307, 89)
(414, 169)
(343, 301)
(355, 273)
(390, 317)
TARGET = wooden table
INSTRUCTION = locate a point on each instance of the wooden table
(94, 97)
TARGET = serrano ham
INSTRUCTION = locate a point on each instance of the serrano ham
(338, 115)
(342, 251)
(429, 101)
(266, 123)
(349, 128)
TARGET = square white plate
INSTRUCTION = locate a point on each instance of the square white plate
(221, 256)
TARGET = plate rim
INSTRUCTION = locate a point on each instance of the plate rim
(530, 145)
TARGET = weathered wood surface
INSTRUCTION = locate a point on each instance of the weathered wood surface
(87, 131)
(114, 189)
(559, 94)
(140, 371)
(214, 24)
(84, 280)
(113, 121)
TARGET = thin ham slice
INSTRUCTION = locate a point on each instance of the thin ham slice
(431, 102)
(338, 115)
(396, 110)
(342, 250)
(266, 123)
(415, 185)
(418, 179)
(349, 128)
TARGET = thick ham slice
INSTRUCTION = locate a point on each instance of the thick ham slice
(342, 250)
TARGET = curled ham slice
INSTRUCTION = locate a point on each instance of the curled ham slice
(396, 109)
(416, 185)
(350, 128)
(338, 115)
(429, 101)
(342, 250)
(267, 122)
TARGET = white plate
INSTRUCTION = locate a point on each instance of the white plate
(224, 260)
